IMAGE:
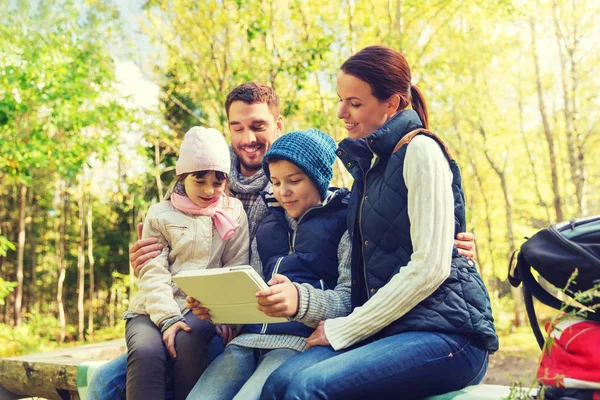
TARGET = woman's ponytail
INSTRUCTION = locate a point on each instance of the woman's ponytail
(419, 105)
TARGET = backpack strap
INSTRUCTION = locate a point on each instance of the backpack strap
(410, 136)
(532, 288)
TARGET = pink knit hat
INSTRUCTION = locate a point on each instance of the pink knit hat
(203, 149)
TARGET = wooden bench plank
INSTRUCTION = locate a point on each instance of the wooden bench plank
(53, 375)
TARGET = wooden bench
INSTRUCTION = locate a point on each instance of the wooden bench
(52, 375)
(59, 374)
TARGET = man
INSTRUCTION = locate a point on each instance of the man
(254, 123)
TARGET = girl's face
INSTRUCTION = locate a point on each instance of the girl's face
(205, 190)
(362, 112)
(292, 188)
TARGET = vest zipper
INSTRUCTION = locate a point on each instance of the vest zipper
(293, 243)
(263, 330)
(276, 269)
(362, 200)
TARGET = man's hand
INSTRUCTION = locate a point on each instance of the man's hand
(318, 337)
(280, 299)
(169, 336)
(226, 332)
(143, 250)
(465, 243)
(202, 313)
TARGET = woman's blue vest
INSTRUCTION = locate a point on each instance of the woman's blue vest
(380, 230)
(307, 254)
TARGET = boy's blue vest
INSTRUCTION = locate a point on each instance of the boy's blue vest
(307, 254)
(381, 244)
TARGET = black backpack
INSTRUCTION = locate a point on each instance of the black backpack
(555, 253)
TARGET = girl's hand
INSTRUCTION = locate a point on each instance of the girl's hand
(226, 332)
(465, 244)
(169, 336)
(202, 313)
(318, 337)
(280, 300)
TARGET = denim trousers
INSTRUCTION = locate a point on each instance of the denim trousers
(409, 365)
(109, 380)
(239, 373)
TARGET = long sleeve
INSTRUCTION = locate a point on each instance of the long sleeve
(237, 247)
(315, 305)
(155, 278)
(255, 258)
(431, 214)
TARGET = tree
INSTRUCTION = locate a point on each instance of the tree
(61, 109)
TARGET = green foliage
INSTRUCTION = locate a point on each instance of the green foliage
(5, 289)
(5, 245)
(37, 336)
(56, 81)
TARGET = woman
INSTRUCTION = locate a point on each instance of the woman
(422, 322)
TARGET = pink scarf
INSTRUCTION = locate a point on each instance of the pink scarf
(224, 224)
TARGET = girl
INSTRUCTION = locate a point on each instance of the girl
(422, 322)
(200, 227)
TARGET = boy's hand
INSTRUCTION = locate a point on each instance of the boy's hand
(465, 244)
(226, 332)
(280, 300)
(169, 336)
(143, 250)
(318, 337)
(202, 313)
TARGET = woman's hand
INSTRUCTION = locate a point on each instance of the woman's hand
(318, 337)
(226, 332)
(169, 336)
(465, 244)
(143, 250)
(195, 306)
(280, 299)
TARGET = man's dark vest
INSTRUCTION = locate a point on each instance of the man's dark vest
(380, 229)
(307, 254)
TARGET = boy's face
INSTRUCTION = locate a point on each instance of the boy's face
(292, 188)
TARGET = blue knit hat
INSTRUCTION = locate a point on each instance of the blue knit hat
(310, 150)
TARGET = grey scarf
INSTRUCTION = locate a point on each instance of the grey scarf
(247, 189)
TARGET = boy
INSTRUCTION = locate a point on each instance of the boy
(302, 250)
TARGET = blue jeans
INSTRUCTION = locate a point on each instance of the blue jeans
(409, 365)
(239, 373)
(108, 381)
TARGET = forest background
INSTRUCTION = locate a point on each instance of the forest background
(95, 98)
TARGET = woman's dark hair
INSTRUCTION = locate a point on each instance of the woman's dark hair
(221, 176)
(388, 73)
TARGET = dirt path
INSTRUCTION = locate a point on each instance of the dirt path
(505, 369)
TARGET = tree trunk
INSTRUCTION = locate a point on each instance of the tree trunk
(90, 249)
(81, 266)
(500, 172)
(31, 301)
(20, 253)
(157, 170)
(61, 252)
(350, 7)
(528, 151)
(112, 305)
(546, 126)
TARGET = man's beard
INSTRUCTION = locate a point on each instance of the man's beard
(250, 167)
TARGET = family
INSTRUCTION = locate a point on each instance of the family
(382, 301)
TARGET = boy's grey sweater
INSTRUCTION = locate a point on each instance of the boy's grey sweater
(314, 304)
